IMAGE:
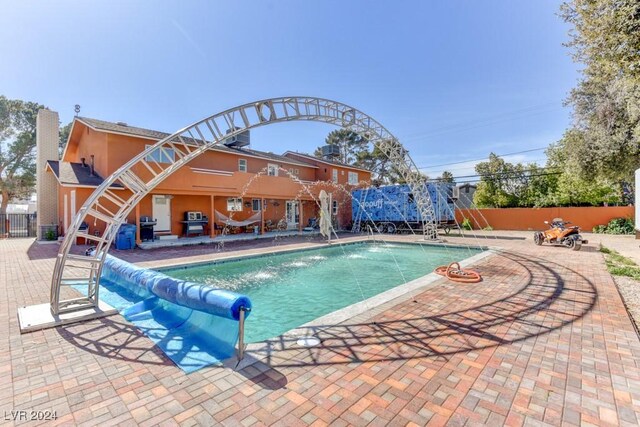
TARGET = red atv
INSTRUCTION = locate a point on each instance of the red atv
(560, 235)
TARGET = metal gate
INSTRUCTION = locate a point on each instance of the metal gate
(18, 225)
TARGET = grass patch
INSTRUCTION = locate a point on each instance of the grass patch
(619, 265)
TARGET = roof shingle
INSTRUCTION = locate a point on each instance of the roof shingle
(76, 174)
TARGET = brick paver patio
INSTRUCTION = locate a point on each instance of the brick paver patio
(543, 340)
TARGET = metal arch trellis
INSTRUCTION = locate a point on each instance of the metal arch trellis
(143, 173)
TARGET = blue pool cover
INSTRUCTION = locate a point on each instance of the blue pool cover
(194, 325)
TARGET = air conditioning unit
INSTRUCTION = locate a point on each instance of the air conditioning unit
(330, 151)
(456, 193)
(240, 140)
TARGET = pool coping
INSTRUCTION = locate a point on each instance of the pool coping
(370, 307)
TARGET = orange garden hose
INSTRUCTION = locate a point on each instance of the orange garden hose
(458, 274)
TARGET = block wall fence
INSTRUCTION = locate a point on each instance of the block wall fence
(533, 218)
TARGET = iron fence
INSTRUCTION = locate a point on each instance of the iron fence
(18, 225)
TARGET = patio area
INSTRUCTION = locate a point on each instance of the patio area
(222, 238)
(543, 340)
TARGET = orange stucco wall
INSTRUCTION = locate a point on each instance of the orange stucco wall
(83, 143)
(82, 194)
(192, 190)
(122, 148)
(533, 218)
(325, 171)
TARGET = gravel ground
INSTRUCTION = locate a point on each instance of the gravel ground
(630, 290)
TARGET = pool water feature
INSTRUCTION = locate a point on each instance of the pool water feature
(290, 289)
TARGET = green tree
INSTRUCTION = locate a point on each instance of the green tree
(604, 141)
(540, 183)
(64, 136)
(356, 150)
(17, 149)
(502, 184)
(447, 177)
(568, 187)
(350, 144)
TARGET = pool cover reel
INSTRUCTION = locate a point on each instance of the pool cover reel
(218, 302)
(194, 325)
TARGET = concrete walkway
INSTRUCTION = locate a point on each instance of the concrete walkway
(543, 340)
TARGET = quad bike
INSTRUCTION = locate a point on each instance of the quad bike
(560, 235)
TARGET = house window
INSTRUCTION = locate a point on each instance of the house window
(272, 170)
(256, 205)
(161, 155)
(296, 172)
(334, 207)
(335, 175)
(353, 178)
(234, 204)
(242, 165)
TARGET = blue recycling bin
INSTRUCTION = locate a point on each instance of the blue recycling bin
(126, 237)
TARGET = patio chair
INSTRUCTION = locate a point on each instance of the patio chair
(269, 225)
(312, 224)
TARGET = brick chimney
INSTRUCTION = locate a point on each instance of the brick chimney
(47, 136)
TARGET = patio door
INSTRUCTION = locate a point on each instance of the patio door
(162, 213)
(293, 214)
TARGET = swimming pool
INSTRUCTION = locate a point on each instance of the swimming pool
(290, 289)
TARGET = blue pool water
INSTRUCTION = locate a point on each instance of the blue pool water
(290, 289)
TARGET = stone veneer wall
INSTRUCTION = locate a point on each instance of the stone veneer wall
(47, 136)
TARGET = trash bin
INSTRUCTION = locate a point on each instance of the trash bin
(126, 237)
(255, 229)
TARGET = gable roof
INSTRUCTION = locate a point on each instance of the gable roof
(325, 161)
(75, 174)
(125, 129)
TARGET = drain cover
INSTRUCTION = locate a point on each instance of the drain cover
(308, 341)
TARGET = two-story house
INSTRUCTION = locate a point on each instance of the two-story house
(225, 182)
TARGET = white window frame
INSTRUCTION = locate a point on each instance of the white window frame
(253, 205)
(334, 175)
(353, 178)
(160, 155)
(271, 167)
(242, 165)
(334, 208)
(234, 204)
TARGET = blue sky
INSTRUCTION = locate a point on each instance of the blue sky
(452, 80)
